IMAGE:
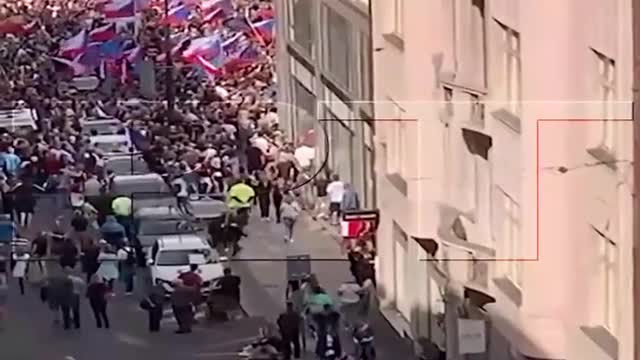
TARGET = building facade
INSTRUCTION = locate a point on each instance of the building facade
(504, 182)
(325, 83)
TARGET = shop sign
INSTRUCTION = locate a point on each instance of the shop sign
(471, 336)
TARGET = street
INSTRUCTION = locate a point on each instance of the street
(30, 333)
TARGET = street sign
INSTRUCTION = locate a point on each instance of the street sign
(298, 267)
(472, 336)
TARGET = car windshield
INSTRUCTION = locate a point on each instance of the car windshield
(101, 129)
(112, 147)
(164, 227)
(181, 257)
(127, 188)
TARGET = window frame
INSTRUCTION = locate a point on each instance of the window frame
(510, 238)
(346, 82)
(510, 50)
(606, 84)
(608, 261)
(293, 27)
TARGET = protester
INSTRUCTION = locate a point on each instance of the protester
(290, 212)
(20, 268)
(335, 191)
(97, 294)
(289, 324)
(181, 302)
(153, 304)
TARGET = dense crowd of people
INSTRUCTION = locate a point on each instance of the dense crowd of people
(220, 131)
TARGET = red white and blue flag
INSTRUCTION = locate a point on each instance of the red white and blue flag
(118, 9)
(74, 46)
(210, 69)
(103, 33)
(178, 15)
(216, 9)
(208, 47)
(265, 30)
(68, 65)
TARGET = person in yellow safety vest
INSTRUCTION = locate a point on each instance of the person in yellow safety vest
(240, 196)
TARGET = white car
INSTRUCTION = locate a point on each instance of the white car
(172, 255)
(119, 143)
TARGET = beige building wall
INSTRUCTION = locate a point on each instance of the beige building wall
(471, 166)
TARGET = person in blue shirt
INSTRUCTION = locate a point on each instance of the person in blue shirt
(11, 162)
(7, 229)
(113, 232)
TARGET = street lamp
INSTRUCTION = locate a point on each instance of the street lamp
(170, 96)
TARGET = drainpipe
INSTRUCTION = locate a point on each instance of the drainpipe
(636, 174)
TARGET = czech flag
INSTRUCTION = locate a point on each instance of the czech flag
(216, 9)
(211, 70)
(265, 30)
(178, 15)
(74, 46)
(103, 33)
(238, 24)
(91, 55)
(118, 9)
(208, 47)
(243, 58)
(70, 66)
(112, 49)
(133, 56)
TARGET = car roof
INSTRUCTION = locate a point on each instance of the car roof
(182, 242)
(159, 212)
(137, 178)
(109, 138)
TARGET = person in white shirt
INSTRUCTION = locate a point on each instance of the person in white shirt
(305, 155)
(335, 191)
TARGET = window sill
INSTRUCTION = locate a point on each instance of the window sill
(398, 182)
(603, 339)
(448, 79)
(604, 155)
(508, 118)
(395, 39)
(509, 289)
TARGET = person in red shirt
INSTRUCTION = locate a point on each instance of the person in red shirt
(191, 277)
(193, 280)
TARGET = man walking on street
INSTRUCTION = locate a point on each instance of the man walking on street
(181, 301)
(289, 325)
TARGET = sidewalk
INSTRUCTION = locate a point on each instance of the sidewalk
(263, 274)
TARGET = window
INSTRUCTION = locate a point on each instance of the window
(341, 148)
(470, 42)
(605, 84)
(508, 216)
(365, 70)
(301, 24)
(477, 111)
(509, 80)
(401, 276)
(338, 49)
(397, 132)
(305, 107)
(609, 275)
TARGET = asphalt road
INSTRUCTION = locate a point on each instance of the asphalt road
(30, 334)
